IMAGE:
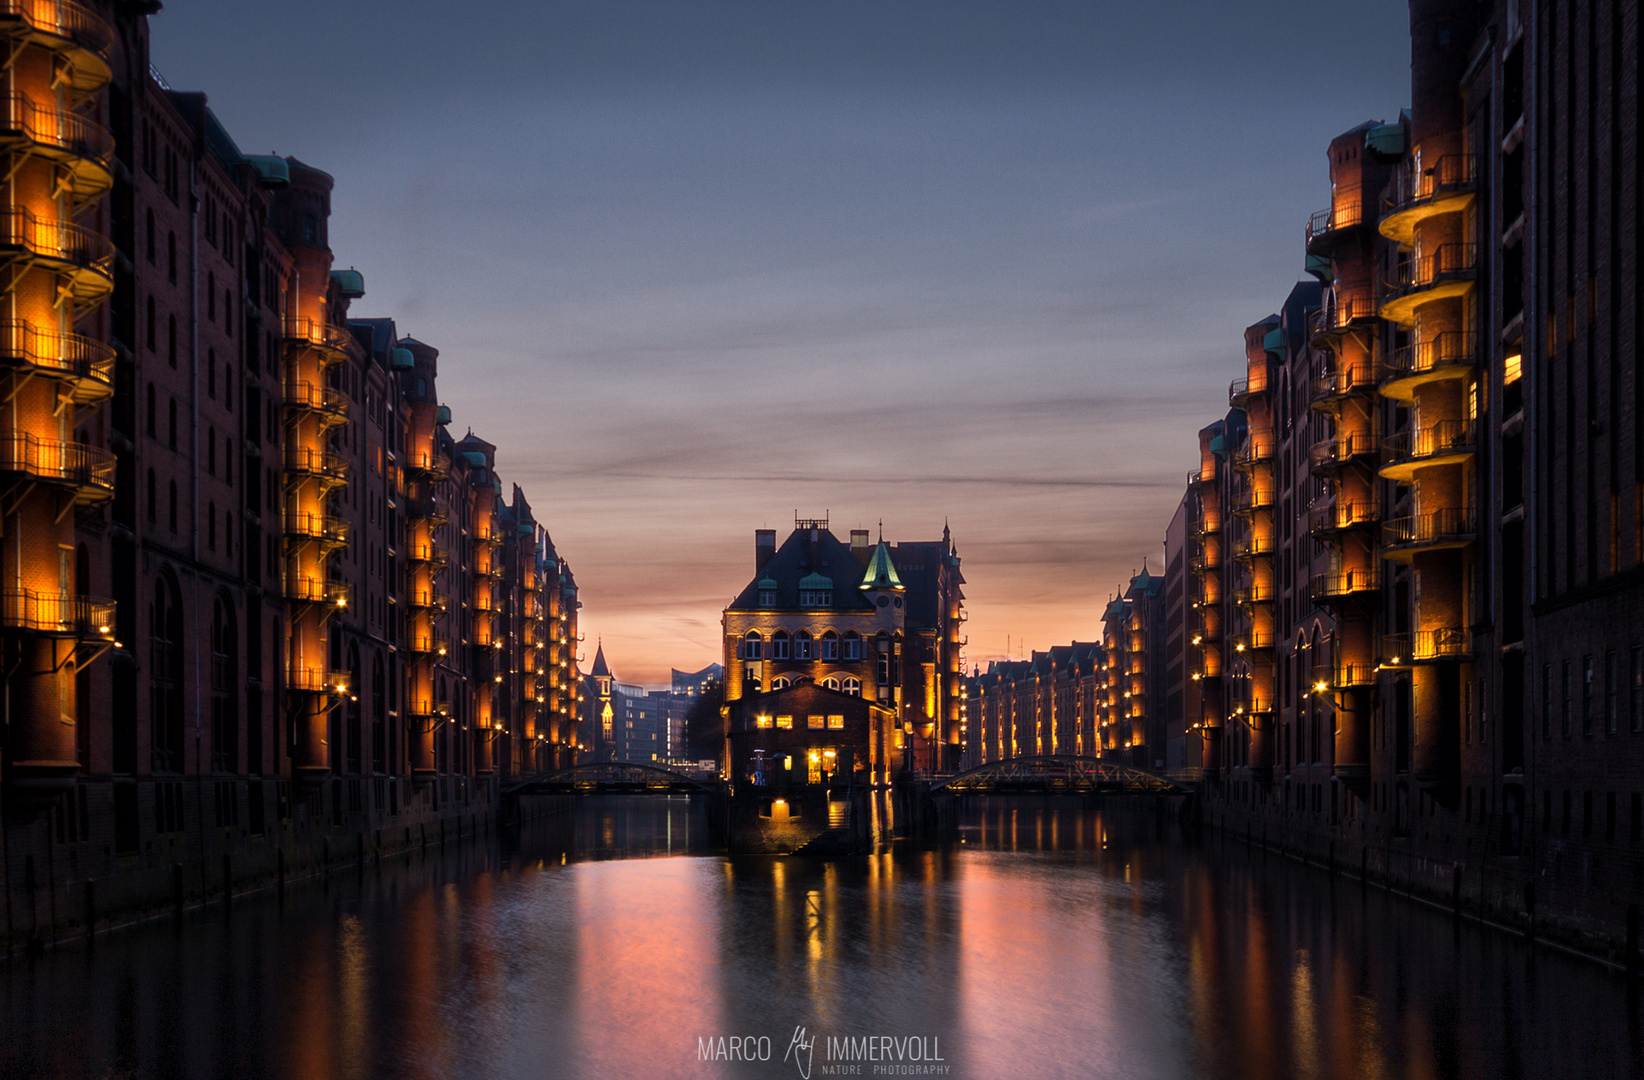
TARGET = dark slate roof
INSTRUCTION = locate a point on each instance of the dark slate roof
(794, 560)
(600, 667)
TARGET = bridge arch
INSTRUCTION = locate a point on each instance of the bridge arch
(613, 777)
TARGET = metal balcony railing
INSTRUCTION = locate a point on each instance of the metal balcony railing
(59, 130)
(1340, 313)
(1412, 186)
(1434, 440)
(426, 553)
(317, 334)
(1448, 524)
(435, 466)
(59, 614)
(427, 598)
(1342, 583)
(1239, 391)
(69, 20)
(429, 645)
(1255, 639)
(323, 527)
(1256, 447)
(320, 399)
(1252, 497)
(320, 463)
(1443, 643)
(1346, 676)
(57, 241)
(317, 681)
(60, 355)
(312, 590)
(1341, 449)
(1338, 384)
(1446, 262)
(1346, 210)
(1335, 517)
(1253, 546)
(1452, 349)
(87, 469)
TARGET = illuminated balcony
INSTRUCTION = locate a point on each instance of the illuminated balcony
(85, 366)
(1342, 450)
(433, 466)
(330, 341)
(1334, 387)
(330, 405)
(431, 599)
(1259, 704)
(1344, 584)
(1255, 640)
(79, 146)
(1447, 271)
(1435, 530)
(1416, 194)
(317, 681)
(1256, 449)
(324, 529)
(85, 471)
(1351, 676)
(57, 615)
(1334, 518)
(1253, 546)
(1341, 314)
(1451, 355)
(1426, 646)
(1240, 391)
(1210, 522)
(1253, 592)
(1208, 559)
(330, 469)
(1201, 477)
(487, 536)
(68, 28)
(1346, 212)
(429, 645)
(82, 257)
(312, 590)
(1448, 442)
(488, 568)
(427, 553)
(1250, 498)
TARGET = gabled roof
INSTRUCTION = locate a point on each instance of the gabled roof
(881, 572)
(794, 562)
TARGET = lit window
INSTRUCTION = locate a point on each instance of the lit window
(785, 723)
(815, 721)
(762, 721)
(853, 687)
(836, 721)
(831, 682)
(781, 682)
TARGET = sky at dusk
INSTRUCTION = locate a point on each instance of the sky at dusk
(694, 265)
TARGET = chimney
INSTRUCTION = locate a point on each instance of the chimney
(764, 547)
(860, 547)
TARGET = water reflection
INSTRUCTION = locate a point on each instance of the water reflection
(1048, 941)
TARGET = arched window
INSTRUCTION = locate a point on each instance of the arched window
(853, 687)
(172, 513)
(779, 645)
(171, 259)
(753, 646)
(151, 416)
(153, 329)
(802, 645)
(153, 500)
(781, 682)
(225, 718)
(148, 225)
(831, 682)
(171, 340)
(828, 647)
(211, 526)
(853, 645)
(165, 633)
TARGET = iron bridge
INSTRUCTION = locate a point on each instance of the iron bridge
(613, 778)
(1057, 775)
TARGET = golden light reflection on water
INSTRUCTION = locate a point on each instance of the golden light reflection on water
(1070, 945)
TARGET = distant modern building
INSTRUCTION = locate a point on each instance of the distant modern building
(623, 721)
(861, 620)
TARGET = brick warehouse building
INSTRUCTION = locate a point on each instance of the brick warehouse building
(324, 627)
(868, 620)
(1414, 548)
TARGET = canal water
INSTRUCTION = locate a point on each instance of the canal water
(1045, 941)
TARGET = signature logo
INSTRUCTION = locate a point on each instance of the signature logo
(800, 1050)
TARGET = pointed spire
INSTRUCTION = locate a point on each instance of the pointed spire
(881, 571)
(600, 667)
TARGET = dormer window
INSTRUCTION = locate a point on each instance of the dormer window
(815, 598)
(767, 597)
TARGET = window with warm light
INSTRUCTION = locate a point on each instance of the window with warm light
(762, 722)
(785, 723)
(836, 721)
(815, 721)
